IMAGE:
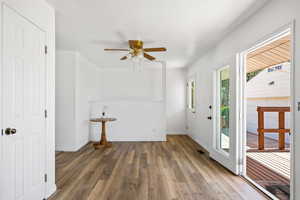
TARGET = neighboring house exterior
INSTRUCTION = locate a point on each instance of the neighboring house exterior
(271, 87)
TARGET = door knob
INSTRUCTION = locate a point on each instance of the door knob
(8, 131)
(13, 131)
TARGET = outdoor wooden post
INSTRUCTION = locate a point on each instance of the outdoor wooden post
(261, 124)
(281, 130)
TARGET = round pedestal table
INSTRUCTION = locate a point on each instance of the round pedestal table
(103, 142)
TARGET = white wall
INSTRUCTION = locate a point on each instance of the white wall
(136, 99)
(176, 101)
(126, 83)
(273, 16)
(137, 120)
(260, 93)
(77, 82)
(65, 91)
(259, 85)
(88, 87)
(43, 15)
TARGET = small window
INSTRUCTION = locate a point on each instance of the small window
(191, 95)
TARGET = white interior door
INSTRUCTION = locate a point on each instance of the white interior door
(23, 105)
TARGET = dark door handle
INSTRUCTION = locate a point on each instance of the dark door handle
(8, 131)
(210, 118)
(13, 131)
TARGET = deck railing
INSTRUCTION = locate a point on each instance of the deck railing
(281, 130)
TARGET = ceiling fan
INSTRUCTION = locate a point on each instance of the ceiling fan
(136, 50)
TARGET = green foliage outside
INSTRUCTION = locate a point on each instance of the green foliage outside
(251, 75)
(225, 109)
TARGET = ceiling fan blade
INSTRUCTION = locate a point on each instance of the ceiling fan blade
(155, 49)
(116, 50)
(149, 57)
(124, 58)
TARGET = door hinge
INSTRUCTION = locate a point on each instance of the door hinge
(46, 49)
(46, 113)
(45, 178)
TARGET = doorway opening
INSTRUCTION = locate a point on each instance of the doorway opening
(267, 119)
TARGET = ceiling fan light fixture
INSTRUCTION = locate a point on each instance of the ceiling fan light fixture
(140, 55)
(137, 53)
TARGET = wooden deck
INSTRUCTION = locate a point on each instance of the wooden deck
(252, 142)
(268, 178)
(276, 161)
(270, 170)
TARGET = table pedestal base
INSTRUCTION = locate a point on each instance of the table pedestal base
(98, 145)
(103, 142)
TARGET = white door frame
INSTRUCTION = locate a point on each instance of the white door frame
(227, 159)
(241, 105)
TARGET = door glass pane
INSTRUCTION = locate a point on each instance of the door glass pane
(224, 109)
(191, 95)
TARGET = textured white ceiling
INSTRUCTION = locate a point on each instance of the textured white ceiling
(185, 27)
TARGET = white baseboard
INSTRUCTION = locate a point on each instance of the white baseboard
(176, 133)
(205, 146)
(65, 148)
(70, 148)
(161, 139)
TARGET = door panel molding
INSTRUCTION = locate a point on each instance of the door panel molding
(23, 102)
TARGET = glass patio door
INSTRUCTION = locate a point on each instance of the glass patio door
(224, 140)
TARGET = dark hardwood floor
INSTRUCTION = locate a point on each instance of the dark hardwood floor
(172, 170)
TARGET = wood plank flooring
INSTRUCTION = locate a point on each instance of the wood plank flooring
(172, 170)
(272, 181)
(279, 162)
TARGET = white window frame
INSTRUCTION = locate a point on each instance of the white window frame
(191, 95)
